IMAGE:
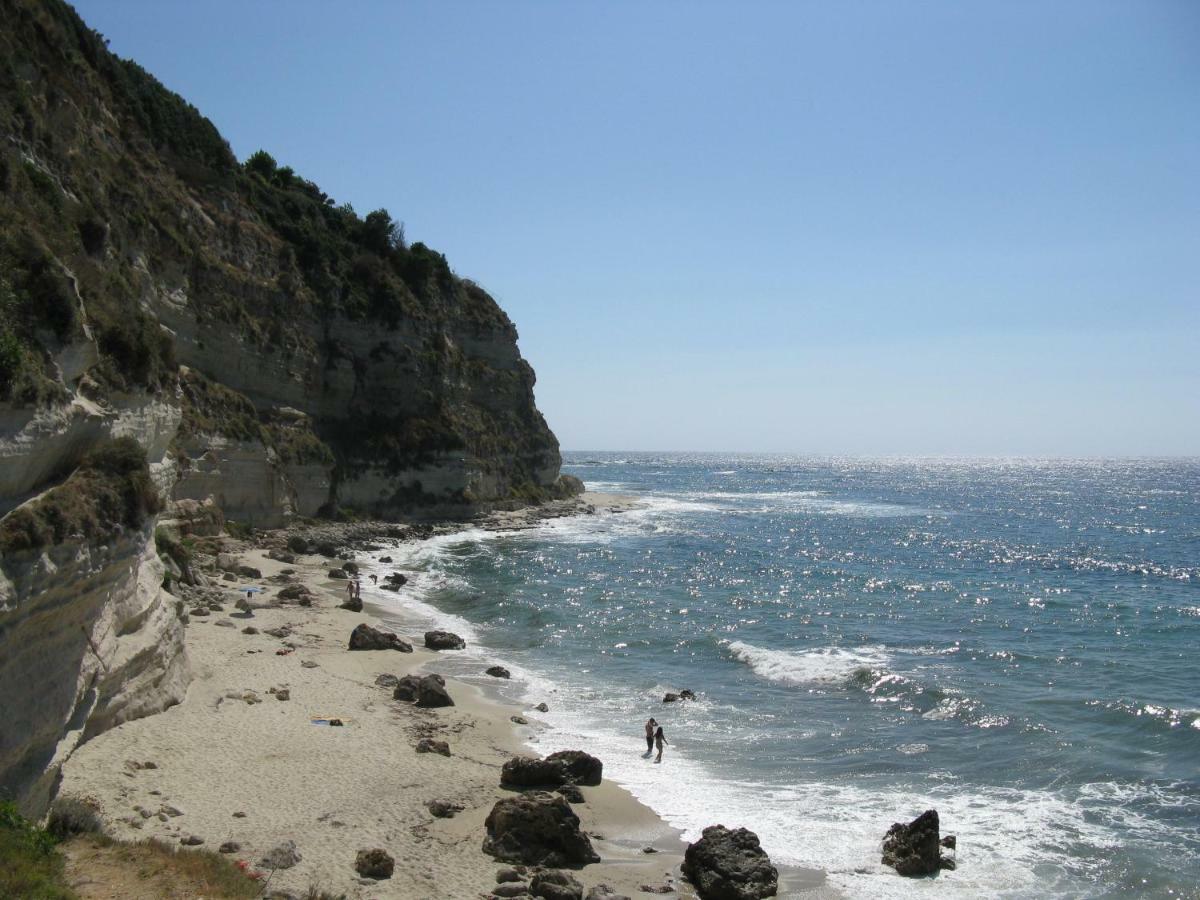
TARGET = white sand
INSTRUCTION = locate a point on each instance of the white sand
(335, 791)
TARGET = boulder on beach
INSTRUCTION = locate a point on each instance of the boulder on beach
(729, 864)
(283, 856)
(536, 828)
(581, 768)
(297, 544)
(387, 680)
(293, 592)
(444, 640)
(338, 575)
(406, 687)
(555, 884)
(431, 692)
(443, 809)
(498, 672)
(915, 849)
(529, 771)
(364, 637)
(377, 864)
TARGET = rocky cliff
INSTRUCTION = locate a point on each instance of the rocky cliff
(273, 353)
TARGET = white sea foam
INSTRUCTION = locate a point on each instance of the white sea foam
(822, 664)
(1014, 843)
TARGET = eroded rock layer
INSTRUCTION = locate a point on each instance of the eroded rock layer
(272, 353)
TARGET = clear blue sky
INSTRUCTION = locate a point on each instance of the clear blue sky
(888, 227)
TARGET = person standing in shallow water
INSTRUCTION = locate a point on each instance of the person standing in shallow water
(659, 740)
(650, 726)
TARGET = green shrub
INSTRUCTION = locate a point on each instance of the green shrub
(109, 491)
(30, 867)
(70, 816)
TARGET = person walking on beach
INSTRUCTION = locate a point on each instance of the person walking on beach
(659, 740)
(650, 726)
(350, 589)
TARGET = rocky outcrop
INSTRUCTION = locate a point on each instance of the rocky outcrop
(536, 828)
(377, 864)
(555, 884)
(444, 640)
(432, 693)
(364, 637)
(275, 355)
(88, 637)
(915, 849)
(729, 864)
(580, 767)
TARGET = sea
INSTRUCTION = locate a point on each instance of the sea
(1012, 642)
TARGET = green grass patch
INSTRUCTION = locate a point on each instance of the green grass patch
(30, 866)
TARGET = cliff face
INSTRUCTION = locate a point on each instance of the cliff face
(273, 353)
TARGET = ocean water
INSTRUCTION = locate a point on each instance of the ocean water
(1014, 643)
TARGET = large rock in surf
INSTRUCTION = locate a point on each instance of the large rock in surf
(915, 849)
(364, 637)
(444, 640)
(581, 768)
(729, 864)
(537, 829)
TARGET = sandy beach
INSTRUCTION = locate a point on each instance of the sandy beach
(234, 763)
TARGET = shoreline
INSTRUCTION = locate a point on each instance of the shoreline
(232, 747)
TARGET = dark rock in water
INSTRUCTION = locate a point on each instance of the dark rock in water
(554, 884)
(571, 792)
(350, 568)
(338, 575)
(581, 768)
(406, 688)
(518, 720)
(429, 745)
(364, 637)
(604, 892)
(377, 864)
(528, 771)
(431, 692)
(685, 694)
(542, 707)
(389, 586)
(915, 849)
(293, 592)
(387, 680)
(385, 559)
(396, 578)
(670, 698)
(444, 640)
(443, 809)
(282, 857)
(498, 672)
(537, 829)
(729, 864)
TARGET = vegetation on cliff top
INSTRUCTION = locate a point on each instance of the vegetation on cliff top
(110, 491)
